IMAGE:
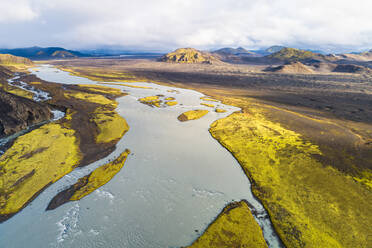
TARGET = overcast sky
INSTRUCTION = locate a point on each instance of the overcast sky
(167, 24)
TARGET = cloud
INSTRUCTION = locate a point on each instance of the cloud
(16, 11)
(167, 24)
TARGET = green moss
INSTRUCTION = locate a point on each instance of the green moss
(192, 115)
(100, 176)
(234, 227)
(218, 110)
(110, 124)
(171, 103)
(17, 91)
(151, 101)
(311, 205)
(35, 160)
(207, 104)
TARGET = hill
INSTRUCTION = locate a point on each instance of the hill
(293, 54)
(352, 69)
(292, 67)
(43, 53)
(364, 56)
(8, 59)
(189, 56)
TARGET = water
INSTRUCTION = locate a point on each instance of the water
(176, 180)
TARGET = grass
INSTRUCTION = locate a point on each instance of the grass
(169, 98)
(234, 227)
(207, 104)
(310, 204)
(33, 162)
(100, 176)
(192, 115)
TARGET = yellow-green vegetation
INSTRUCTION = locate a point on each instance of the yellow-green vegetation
(95, 98)
(96, 74)
(234, 227)
(99, 177)
(173, 91)
(102, 89)
(207, 104)
(110, 124)
(171, 103)
(34, 161)
(218, 110)
(131, 86)
(192, 115)
(295, 54)
(16, 91)
(208, 99)
(188, 55)
(151, 100)
(169, 98)
(310, 204)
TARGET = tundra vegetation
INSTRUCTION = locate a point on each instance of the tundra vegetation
(233, 227)
(192, 115)
(89, 183)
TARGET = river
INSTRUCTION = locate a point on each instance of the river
(175, 182)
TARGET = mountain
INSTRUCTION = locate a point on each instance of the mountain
(293, 54)
(291, 67)
(8, 59)
(363, 56)
(189, 56)
(43, 53)
(274, 49)
(233, 51)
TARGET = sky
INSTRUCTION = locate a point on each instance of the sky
(162, 25)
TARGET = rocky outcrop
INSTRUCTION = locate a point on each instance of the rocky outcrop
(17, 113)
(189, 56)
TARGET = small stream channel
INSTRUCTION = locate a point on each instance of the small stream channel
(175, 182)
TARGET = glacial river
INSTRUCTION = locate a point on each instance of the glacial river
(175, 182)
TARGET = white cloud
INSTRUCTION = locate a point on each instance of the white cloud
(203, 24)
(15, 11)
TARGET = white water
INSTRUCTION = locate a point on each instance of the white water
(175, 182)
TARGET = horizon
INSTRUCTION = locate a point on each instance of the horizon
(330, 26)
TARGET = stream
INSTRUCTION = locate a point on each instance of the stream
(172, 186)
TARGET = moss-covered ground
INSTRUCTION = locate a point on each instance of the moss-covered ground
(218, 110)
(34, 161)
(310, 204)
(101, 176)
(207, 104)
(89, 131)
(234, 227)
(192, 115)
